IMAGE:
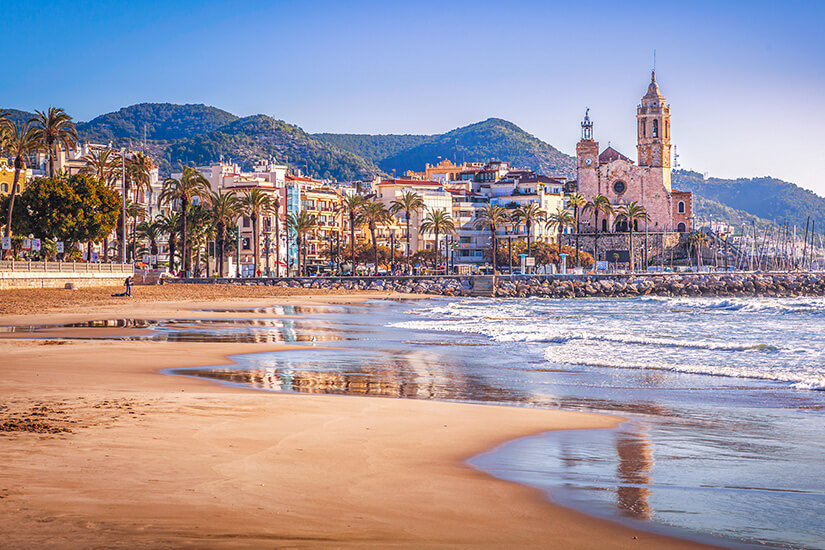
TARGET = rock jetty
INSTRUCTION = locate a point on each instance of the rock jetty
(563, 286)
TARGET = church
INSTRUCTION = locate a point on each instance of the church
(646, 181)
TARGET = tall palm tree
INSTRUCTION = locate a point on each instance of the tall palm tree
(192, 184)
(492, 217)
(599, 205)
(577, 201)
(138, 171)
(528, 214)
(133, 212)
(275, 210)
(373, 214)
(224, 208)
(632, 213)
(150, 231)
(352, 206)
(199, 219)
(169, 223)
(254, 202)
(301, 224)
(21, 141)
(54, 130)
(410, 203)
(437, 222)
(559, 220)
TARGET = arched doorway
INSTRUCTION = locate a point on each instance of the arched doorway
(681, 228)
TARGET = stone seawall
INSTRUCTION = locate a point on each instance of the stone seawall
(564, 286)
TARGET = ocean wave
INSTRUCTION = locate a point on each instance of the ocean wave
(749, 305)
(797, 379)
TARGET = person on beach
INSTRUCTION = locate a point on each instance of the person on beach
(128, 283)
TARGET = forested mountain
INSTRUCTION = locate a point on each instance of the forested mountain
(261, 137)
(18, 116)
(768, 198)
(491, 139)
(376, 147)
(154, 121)
(707, 210)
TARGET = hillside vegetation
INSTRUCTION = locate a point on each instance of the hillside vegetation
(159, 121)
(768, 198)
(261, 137)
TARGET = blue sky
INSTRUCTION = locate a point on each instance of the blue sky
(745, 79)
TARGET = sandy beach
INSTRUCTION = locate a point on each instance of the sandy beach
(99, 449)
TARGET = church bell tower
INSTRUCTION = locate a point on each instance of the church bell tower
(653, 128)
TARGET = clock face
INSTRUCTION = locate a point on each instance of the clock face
(588, 162)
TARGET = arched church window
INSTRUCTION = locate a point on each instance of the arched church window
(681, 228)
(4, 188)
(604, 226)
(680, 207)
(655, 128)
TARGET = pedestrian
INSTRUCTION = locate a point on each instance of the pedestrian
(128, 283)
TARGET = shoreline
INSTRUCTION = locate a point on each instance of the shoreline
(154, 459)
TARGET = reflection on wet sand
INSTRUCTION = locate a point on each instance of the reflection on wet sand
(204, 330)
(634, 468)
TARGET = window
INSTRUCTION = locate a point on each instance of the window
(681, 228)
(245, 221)
(4, 188)
(619, 187)
(604, 225)
(680, 208)
(642, 128)
(655, 128)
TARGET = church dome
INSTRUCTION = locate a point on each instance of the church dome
(653, 89)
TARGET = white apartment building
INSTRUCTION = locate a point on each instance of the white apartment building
(435, 197)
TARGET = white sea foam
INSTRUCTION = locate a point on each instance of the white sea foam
(776, 339)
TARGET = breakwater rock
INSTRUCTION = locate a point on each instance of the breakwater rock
(562, 286)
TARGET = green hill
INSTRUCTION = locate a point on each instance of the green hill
(260, 137)
(707, 210)
(16, 115)
(374, 148)
(157, 121)
(491, 139)
(768, 198)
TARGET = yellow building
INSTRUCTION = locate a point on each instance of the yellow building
(7, 178)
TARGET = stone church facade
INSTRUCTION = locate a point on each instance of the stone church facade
(646, 181)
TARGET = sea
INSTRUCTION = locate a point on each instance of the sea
(724, 397)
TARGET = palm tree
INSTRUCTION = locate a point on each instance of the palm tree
(437, 222)
(224, 208)
(491, 217)
(577, 201)
(21, 141)
(133, 212)
(254, 202)
(352, 205)
(374, 213)
(54, 130)
(169, 223)
(151, 231)
(631, 214)
(101, 164)
(528, 214)
(275, 210)
(697, 239)
(410, 203)
(191, 184)
(559, 220)
(301, 224)
(199, 219)
(138, 170)
(599, 204)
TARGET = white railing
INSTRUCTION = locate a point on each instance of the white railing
(61, 267)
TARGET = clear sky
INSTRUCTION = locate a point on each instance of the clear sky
(745, 79)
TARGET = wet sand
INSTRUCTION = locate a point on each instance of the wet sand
(100, 450)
